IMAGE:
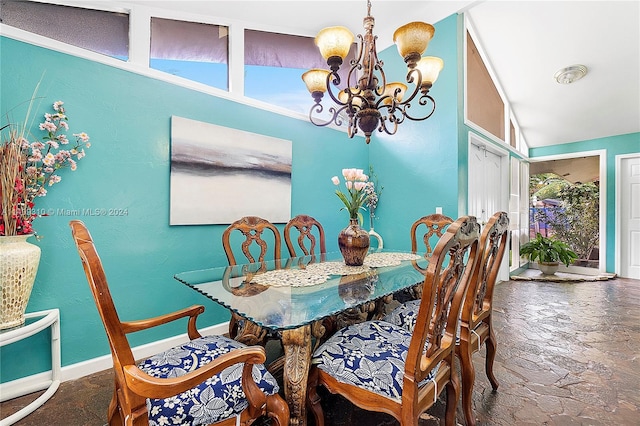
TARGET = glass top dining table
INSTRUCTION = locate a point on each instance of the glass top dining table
(295, 297)
(290, 293)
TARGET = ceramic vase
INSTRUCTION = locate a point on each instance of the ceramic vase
(19, 260)
(354, 243)
(548, 268)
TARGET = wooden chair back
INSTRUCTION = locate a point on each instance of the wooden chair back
(447, 278)
(493, 243)
(132, 386)
(252, 227)
(476, 325)
(310, 236)
(435, 225)
(432, 342)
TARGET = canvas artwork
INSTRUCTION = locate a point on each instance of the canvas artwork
(219, 174)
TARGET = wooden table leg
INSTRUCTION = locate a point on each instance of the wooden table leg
(297, 353)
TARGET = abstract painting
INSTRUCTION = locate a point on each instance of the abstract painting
(220, 174)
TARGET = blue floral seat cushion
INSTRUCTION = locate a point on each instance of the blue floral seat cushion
(406, 316)
(370, 355)
(219, 397)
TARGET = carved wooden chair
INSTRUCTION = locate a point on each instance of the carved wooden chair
(255, 249)
(476, 321)
(435, 225)
(307, 239)
(252, 228)
(380, 366)
(189, 383)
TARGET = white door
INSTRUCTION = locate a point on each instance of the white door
(629, 207)
(485, 184)
(488, 185)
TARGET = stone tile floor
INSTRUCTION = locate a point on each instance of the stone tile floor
(568, 354)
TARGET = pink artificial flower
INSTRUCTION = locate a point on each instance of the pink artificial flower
(36, 156)
(64, 124)
(54, 179)
(83, 136)
(73, 164)
(24, 144)
(49, 159)
(335, 180)
(359, 186)
(57, 105)
(48, 126)
(53, 144)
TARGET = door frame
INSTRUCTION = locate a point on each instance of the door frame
(503, 202)
(618, 219)
(602, 220)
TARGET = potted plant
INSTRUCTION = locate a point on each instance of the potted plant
(549, 253)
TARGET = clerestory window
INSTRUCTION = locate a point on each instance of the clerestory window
(96, 30)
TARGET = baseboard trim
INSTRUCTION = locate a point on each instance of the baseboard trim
(101, 363)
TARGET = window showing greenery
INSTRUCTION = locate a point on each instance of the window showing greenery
(96, 30)
(191, 50)
(568, 212)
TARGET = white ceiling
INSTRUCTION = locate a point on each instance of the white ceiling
(525, 43)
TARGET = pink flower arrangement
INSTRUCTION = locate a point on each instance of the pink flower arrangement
(29, 167)
(356, 196)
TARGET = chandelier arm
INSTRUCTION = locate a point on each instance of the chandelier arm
(356, 64)
(417, 84)
(424, 100)
(333, 79)
(392, 119)
(380, 87)
(334, 98)
(335, 115)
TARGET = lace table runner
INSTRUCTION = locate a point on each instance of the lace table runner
(317, 273)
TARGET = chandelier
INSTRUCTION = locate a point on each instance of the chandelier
(366, 100)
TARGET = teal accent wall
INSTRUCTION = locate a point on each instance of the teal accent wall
(127, 116)
(418, 166)
(614, 145)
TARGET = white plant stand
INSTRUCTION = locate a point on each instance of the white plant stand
(20, 387)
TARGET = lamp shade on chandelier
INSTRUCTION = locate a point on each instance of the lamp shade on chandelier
(366, 100)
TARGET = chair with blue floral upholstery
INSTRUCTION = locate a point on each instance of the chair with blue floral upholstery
(383, 367)
(210, 379)
(476, 325)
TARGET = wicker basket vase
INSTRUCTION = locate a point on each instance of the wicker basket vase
(19, 261)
